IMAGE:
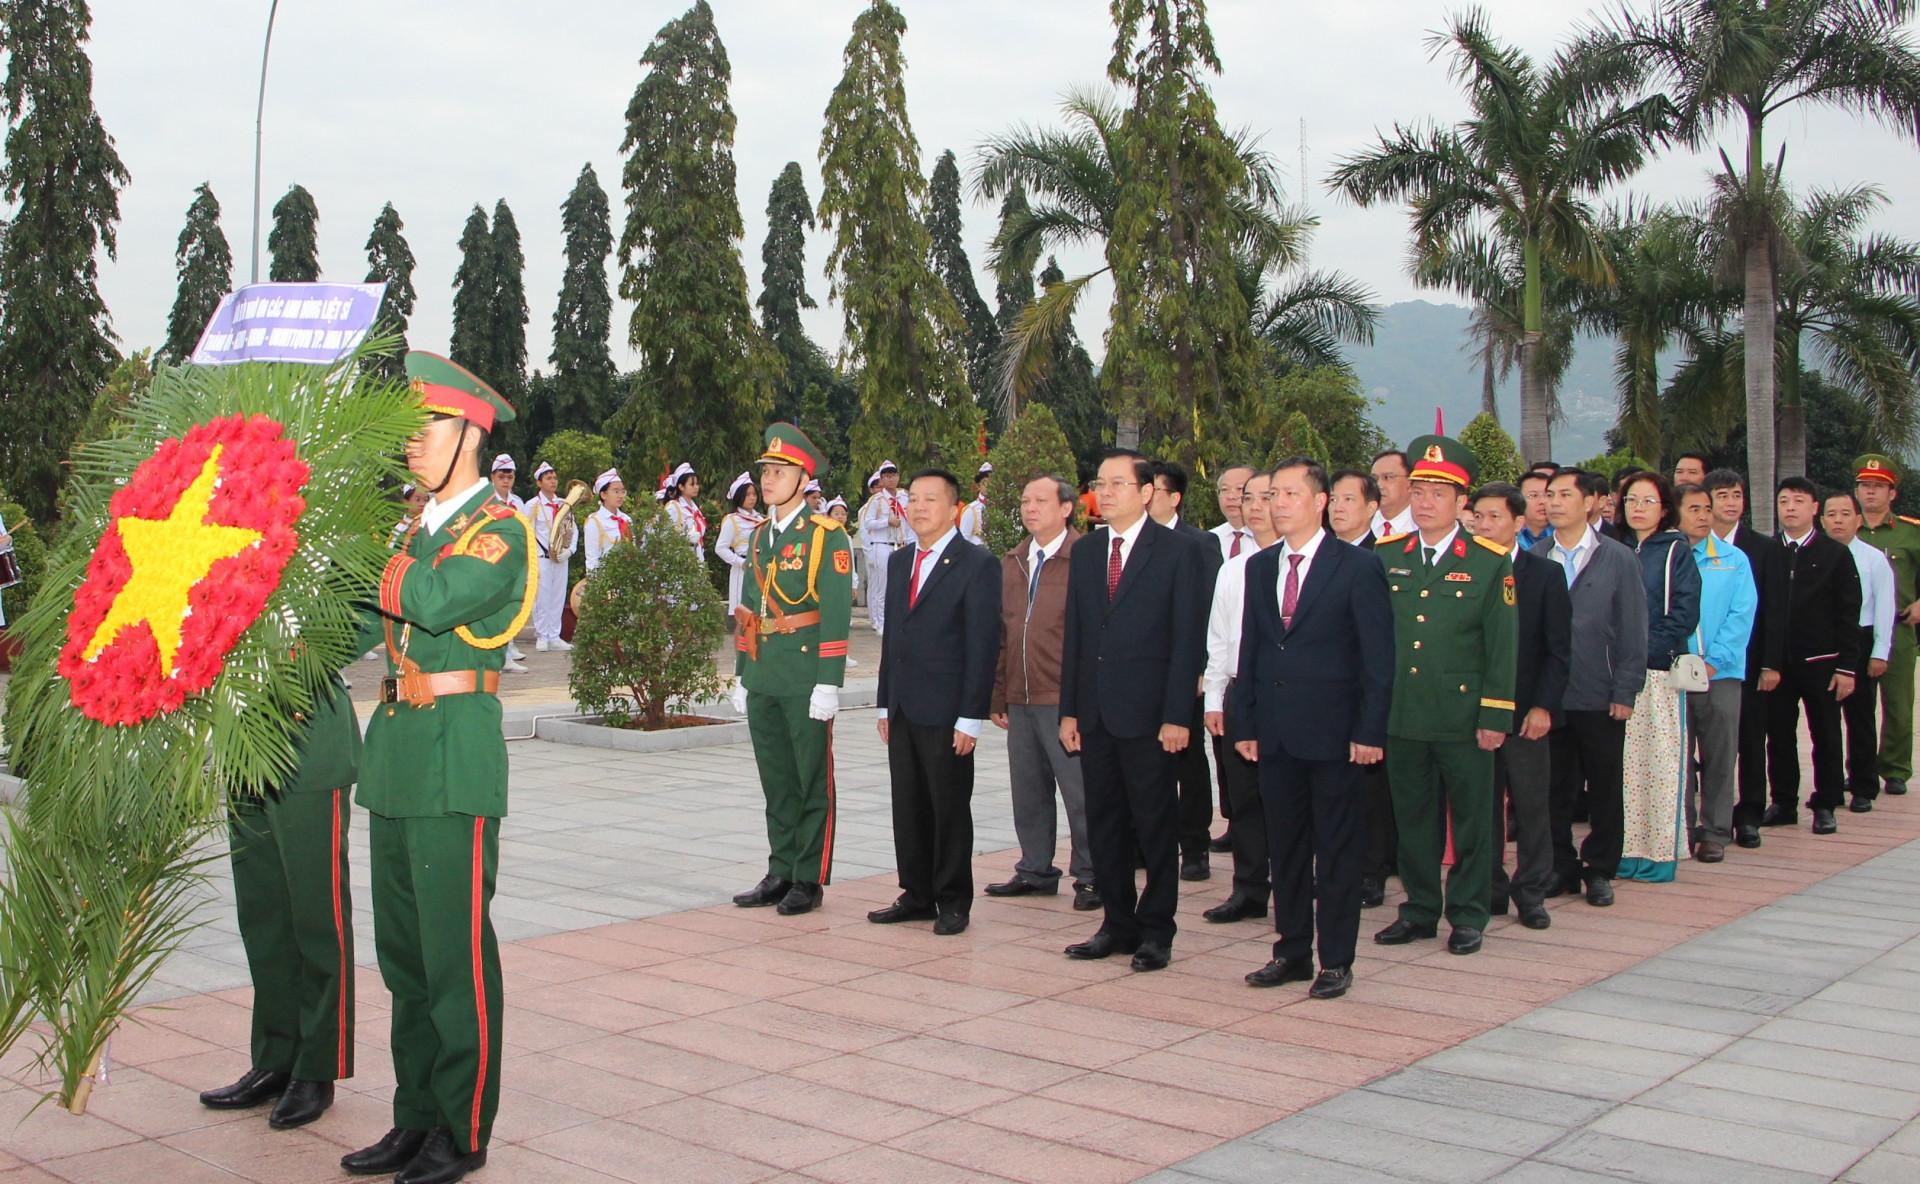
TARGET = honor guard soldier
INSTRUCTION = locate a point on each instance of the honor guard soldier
(434, 784)
(1877, 485)
(792, 657)
(1455, 628)
(296, 923)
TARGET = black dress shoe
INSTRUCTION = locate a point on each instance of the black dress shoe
(1779, 815)
(1401, 932)
(1373, 892)
(255, 1087)
(1100, 945)
(801, 898)
(1195, 867)
(1020, 887)
(1599, 891)
(1534, 914)
(1861, 804)
(395, 1150)
(1464, 939)
(303, 1102)
(1823, 823)
(1223, 844)
(900, 911)
(950, 924)
(1333, 982)
(1086, 898)
(441, 1162)
(1152, 955)
(770, 890)
(1235, 908)
(1746, 835)
(1281, 971)
(1896, 787)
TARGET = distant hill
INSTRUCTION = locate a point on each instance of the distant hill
(1420, 360)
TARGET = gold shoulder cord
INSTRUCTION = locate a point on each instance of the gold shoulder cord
(526, 598)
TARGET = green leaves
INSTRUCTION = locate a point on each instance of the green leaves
(294, 241)
(205, 267)
(583, 319)
(390, 261)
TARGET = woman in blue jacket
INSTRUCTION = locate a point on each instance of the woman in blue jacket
(1656, 747)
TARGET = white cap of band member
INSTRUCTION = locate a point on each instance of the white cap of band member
(406, 491)
(873, 479)
(986, 467)
(811, 487)
(739, 483)
(886, 466)
(838, 501)
(684, 470)
(605, 479)
(541, 470)
(503, 464)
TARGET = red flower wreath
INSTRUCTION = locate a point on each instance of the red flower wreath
(195, 543)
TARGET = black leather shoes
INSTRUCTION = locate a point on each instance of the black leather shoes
(770, 890)
(303, 1102)
(1823, 823)
(949, 924)
(441, 1162)
(900, 911)
(1861, 804)
(1599, 891)
(1333, 982)
(1152, 955)
(1086, 898)
(256, 1087)
(801, 898)
(1100, 945)
(1373, 892)
(1896, 787)
(1746, 836)
(1279, 972)
(1223, 844)
(395, 1150)
(1464, 939)
(1196, 867)
(1401, 932)
(1020, 887)
(1235, 908)
(1534, 914)
(1779, 815)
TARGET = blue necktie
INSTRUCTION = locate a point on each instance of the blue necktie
(1033, 582)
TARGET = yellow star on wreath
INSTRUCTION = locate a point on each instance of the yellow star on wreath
(169, 556)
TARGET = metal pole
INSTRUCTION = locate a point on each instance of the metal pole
(259, 117)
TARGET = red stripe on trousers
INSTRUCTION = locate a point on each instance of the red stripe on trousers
(340, 948)
(479, 982)
(826, 842)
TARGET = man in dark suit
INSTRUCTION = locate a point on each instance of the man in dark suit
(1190, 766)
(1766, 648)
(1309, 703)
(1136, 608)
(1824, 656)
(1523, 766)
(937, 661)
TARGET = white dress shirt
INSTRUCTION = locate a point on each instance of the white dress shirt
(1431, 552)
(1306, 554)
(1223, 626)
(437, 512)
(1226, 532)
(1876, 595)
(966, 727)
(1127, 537)
(1400, 523)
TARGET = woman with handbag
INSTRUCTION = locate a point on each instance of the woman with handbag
(1656, 746)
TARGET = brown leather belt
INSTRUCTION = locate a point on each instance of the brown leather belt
(420, 689)
(789, 623)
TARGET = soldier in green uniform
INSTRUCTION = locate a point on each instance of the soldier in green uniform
(434, 783)
(1455, 629)
(296, 923)
(795, 605)
(1877, 485)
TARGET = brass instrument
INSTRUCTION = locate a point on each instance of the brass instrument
(561, 535)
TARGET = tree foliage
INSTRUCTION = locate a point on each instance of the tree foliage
(809, 393)
(583, 370)
(293, 243)
(1327, 398)
(204, 265)
(390, 261)
(1071, 389)
(1032, 446)
(1493, 448)
(946, 229)
(474, 283)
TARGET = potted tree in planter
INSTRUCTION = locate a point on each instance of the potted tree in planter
(31, 553)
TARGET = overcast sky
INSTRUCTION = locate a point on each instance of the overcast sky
(438, 104)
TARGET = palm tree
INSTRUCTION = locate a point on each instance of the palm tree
(1728, 60)
(1537, 144)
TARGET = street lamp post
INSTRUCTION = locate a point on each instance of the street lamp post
(259, 116)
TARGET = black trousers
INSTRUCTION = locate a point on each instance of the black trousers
(1588, 749)
(1752, 802)
(1316, 820)
(1381, 858)
(1805, 684)
(1861, 712)
(932, 817)
(1241, 779)
(1132, 806)
(1196, 788)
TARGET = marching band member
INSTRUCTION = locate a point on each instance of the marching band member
(883, 525)
(736, 530)
(608, 525)
(502, 476)
(545, 510)
(973, 515)
(682, 488)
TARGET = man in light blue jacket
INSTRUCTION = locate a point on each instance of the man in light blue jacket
(1729, 601)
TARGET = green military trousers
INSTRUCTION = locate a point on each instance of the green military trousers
(794, 753)
(1896, 708)
(432, 882)
(1432, 780)
(296, 924)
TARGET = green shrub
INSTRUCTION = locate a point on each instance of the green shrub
(1493, 448)
(1032, 446)
(31, 551)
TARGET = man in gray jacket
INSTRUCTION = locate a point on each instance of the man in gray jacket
(1609, 667)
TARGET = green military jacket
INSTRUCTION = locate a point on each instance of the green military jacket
(807, 568)
(1455, 634)
(450, 600)
(1899, 537)
(327, 754)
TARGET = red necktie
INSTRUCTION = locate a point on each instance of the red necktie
(1234, 552)
(625, 532)
(1290, 595)
(1113, 570)
(913, 588)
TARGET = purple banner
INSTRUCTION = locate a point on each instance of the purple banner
(314, 323)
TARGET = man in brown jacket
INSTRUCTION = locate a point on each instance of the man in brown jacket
(1026, 697)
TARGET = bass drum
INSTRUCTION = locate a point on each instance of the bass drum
(570, 614)
(9, 569)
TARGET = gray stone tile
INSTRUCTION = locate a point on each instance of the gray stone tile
(1403, 1156)
(1884, 1167)
(1575, 1053)
(1848, 1127)
(1650, 1163)
(1603, 1000)
(1802, 1088)
(1535, 1172)
(1423, 1083)
(1733, 978)
(1508, 1069)
(1728, 1140)
(1707, 994)
(1892, 1021)
(1244, 1161)
(1840, 1038)
(1505, 1134)
(1822, 1062)
(1563, 1021)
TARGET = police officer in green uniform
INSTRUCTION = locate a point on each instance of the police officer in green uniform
(296, 923)
(1877, 485)
(1455, 628)
(434, 783)
(795, 606)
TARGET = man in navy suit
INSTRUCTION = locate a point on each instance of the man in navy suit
(1131, 661)
(937, 661)
(1310, 704)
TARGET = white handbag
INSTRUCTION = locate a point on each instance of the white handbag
(1689, 671)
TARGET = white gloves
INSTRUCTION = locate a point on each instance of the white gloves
(824, 703)
(739, 696)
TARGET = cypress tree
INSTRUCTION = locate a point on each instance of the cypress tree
(205, 267)
(62, 177)
(473, 288)
(294, 242)
(1072, 390)
(692, 323)
(583, 373)
(508, 372)
(950, 263)
(905, 339)
(1013, 290)
(390, 259)
(810, 393)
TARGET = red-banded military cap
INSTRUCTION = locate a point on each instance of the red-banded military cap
(1443, 458)
(448, 388)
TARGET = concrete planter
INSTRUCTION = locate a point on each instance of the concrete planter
(590, 733)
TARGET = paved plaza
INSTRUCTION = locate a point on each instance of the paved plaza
(1750, 1022)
